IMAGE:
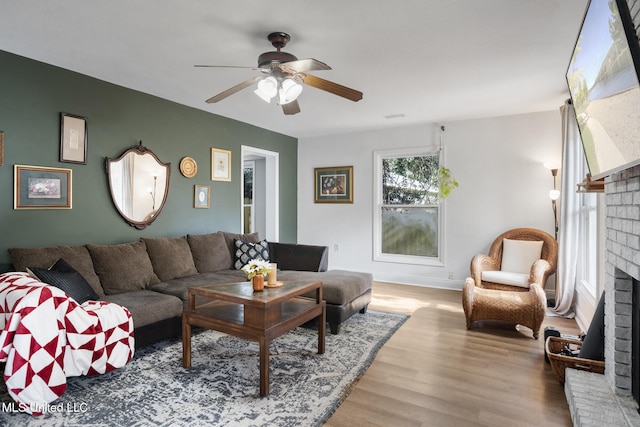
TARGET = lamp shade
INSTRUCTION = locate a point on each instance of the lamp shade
(554, 194)
(289, 91)
(267, 88)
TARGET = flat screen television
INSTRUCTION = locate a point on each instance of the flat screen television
(603, 82)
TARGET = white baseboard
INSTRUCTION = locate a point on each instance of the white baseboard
(428, 282)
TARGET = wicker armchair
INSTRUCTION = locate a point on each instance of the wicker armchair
(540, 270)
(514, 297)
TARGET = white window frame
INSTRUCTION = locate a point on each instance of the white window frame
(588, 247)
(378, 157)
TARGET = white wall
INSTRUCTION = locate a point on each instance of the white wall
(498, 163)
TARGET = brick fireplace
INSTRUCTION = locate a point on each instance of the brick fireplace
(593, 397)
(621, 267)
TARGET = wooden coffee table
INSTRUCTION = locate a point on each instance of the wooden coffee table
(235, 309)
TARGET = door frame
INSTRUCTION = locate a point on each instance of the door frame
(272, 184)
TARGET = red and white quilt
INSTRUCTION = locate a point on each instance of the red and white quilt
(46, 337)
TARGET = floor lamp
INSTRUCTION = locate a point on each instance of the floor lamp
(554, 195)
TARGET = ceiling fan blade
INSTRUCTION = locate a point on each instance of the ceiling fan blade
(232, 90)
(226, 66)
(291, 108)
(305, 65)
(334, 88)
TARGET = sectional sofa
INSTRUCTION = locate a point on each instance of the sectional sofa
(150, 277)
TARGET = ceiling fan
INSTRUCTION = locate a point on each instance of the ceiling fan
(283, 76)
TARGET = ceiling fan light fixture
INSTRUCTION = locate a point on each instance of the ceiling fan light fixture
(289, 91)
(267, 88)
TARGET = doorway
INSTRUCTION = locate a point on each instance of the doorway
(260, 192)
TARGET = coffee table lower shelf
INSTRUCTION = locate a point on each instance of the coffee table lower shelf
(260, 318)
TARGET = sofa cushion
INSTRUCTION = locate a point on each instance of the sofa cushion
(338, 286)
(210, 252)
(519, 255)
(77, 257)
(247, 251)
(180, 287)
(506, 278)
(63, 276)
(147, 307)
(170, 256)
(123, 268)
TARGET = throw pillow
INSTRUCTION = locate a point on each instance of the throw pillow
(231, 238)
(519, 255)
(76, 256)
(247, 251)
(63, 276)
(123, 268)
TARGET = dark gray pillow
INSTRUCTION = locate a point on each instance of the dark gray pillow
(123, 268)
(76, 256)
(247, 251)
(63, 276)
(593, 344)
(171, 257)
(210, 252)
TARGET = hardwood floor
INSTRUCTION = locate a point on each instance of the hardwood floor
(435, 372)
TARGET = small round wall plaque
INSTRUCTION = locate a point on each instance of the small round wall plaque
(188, 167)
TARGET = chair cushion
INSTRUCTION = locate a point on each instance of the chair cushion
(519, 255)
(506, 278)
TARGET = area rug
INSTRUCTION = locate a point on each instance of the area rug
(222, 386)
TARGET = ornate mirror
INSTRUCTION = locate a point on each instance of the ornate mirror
(139, 184)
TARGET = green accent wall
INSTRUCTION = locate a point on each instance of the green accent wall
(32, 96)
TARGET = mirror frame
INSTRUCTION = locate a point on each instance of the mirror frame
(139, 150)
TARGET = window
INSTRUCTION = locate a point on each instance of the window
(587, 272)
(247, 198)
(407, 215)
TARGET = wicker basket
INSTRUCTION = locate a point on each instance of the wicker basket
(560, 362)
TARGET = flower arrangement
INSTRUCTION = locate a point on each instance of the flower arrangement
(256, 267)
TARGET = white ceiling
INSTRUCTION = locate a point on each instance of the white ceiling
(428, 61)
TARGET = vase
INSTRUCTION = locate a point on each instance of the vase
(272, 275)
(258, 283)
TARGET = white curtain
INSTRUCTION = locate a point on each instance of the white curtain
(568, 236)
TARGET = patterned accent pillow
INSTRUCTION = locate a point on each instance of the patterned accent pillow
(247, 251)
(63, 276)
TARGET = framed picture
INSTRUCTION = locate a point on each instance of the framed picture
(334, 185)
(220, 165)
(38, 187)
(73, 139)
(201, 196)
